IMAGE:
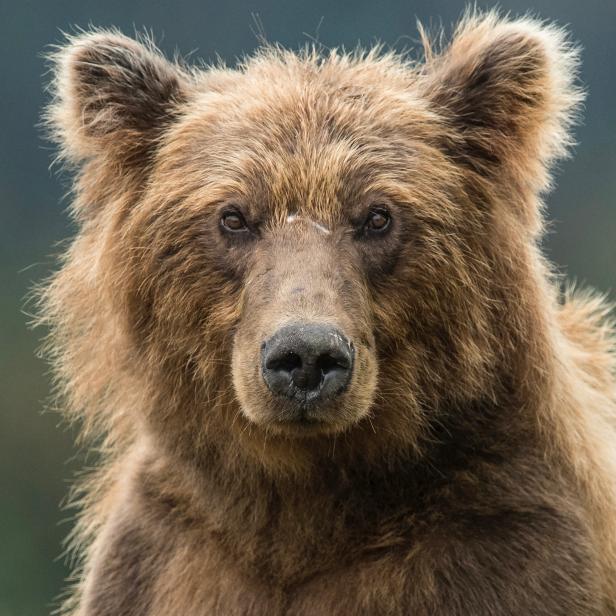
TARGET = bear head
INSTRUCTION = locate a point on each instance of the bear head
(310, 244)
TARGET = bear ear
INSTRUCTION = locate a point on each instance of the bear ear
(508, 91)
(113, 96)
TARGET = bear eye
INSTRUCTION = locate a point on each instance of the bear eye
(378, 220)
(233, 222)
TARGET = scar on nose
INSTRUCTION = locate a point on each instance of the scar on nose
(293, 217)
(297, 290)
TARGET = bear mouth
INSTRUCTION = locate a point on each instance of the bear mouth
(301, 418)
(305, 414)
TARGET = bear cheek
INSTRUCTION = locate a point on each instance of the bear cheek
(357, 402)
(245, 377)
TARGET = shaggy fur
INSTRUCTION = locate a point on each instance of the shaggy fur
(469, 466)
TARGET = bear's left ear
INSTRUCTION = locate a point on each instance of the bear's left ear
(113, 97)
(507, 90)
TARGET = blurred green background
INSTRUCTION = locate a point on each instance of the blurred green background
(37, 458)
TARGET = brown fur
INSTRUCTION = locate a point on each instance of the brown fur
(469, 466)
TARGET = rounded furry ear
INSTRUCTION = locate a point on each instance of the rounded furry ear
(112, 95)
(507, 89)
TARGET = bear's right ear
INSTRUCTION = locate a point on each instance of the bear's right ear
(112, 96)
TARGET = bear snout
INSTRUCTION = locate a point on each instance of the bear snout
(307, 362)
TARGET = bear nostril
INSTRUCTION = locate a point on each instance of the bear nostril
(287, 363)
(326, 363)
(307, 362)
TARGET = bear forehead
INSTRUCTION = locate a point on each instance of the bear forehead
(303, 100)
(302, 129)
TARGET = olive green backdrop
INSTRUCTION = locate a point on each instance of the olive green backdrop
(37, 459)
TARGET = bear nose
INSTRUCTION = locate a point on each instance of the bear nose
(307, 362)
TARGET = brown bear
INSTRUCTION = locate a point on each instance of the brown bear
(307, 322)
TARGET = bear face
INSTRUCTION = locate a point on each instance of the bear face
(309, 245)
